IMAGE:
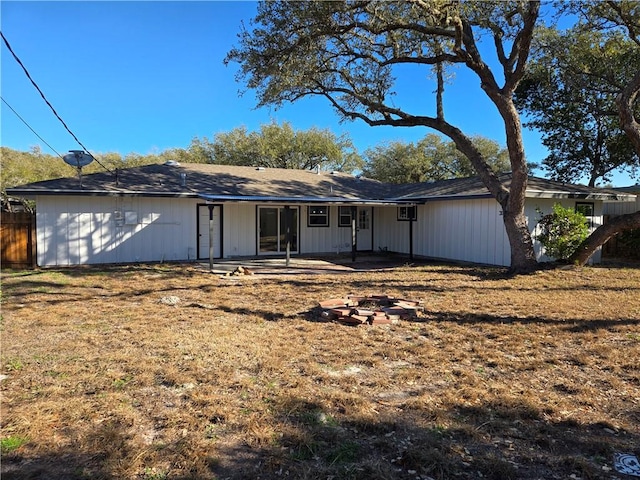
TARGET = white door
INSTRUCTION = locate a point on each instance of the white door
(365, 232)
(204, 229)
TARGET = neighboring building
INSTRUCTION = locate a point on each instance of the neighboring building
(171, 212)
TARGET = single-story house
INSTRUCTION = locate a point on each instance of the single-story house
(614, 208)
(175, 212)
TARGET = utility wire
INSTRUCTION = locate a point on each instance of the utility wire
(6, 42)
(29, 126)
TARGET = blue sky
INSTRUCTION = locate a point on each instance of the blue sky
(146, 76)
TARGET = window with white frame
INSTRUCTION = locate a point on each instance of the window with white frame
(407, 213)
(586, 209)
(318, 216)
(344, 216)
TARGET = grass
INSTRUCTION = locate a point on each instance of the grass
(528, 377)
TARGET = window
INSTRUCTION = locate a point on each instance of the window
(344, 216)
(406, 213)
(585, 208)
(363, 219)
(318, 216)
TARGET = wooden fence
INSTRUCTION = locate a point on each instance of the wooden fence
(17, 231)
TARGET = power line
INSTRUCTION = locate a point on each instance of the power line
(29, 126)
(6, 42)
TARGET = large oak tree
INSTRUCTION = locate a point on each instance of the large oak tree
(349, 52)
(569, 94)
(622, 16)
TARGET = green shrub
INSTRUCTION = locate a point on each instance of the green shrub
(562, 231)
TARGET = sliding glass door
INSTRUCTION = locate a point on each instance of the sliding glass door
(273, 229)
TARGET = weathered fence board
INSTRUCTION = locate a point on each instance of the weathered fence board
(17, 239)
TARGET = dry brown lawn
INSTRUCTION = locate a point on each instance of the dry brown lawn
(532, 377)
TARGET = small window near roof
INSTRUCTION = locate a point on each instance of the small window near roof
(406, 213)
(344, 216)
(318, 216)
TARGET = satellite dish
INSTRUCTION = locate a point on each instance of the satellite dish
(78, 158)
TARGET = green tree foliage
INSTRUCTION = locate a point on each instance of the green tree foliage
(570, 95)
(280, 146)
(614, 16)
(429, 159)
(352, 53)
(19, 168)
(562, 232)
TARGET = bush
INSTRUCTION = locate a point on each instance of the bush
(562, 231)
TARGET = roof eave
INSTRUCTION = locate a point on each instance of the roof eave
(300, 200)
(581, 195)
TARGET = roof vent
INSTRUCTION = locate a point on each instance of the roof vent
(171, 163)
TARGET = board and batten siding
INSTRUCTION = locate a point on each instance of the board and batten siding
(331, 239)
(239, 230)
(462, 230)
(621, 208)
(89, 230)
(390, 234)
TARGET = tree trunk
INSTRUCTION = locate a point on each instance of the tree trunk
(603, 233)
(523, 258)
(626, 100)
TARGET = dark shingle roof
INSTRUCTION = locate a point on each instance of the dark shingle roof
(473, 187)
(218, 180)
(233, 182)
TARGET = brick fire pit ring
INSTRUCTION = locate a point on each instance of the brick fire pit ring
(372, 310)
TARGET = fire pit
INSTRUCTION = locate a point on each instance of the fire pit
(372, 309)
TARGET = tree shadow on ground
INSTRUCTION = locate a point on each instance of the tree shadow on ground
(496, 440)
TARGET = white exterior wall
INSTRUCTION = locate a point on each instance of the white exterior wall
(239, 230)
(389, 233)
(331, 239)
(462, 230)
(84, 230)
(621, 208)
(545, 205)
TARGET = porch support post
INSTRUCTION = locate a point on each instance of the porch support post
(287, 232)
(411, 237)
(210, 237)
(354, 233)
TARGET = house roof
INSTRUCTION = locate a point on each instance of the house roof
(536, 188)
(630, 189)
(233, 183)
(215, 182)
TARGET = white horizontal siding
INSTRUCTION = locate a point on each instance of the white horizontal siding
(74, 231)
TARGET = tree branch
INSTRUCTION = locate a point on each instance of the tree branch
(625, 102)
